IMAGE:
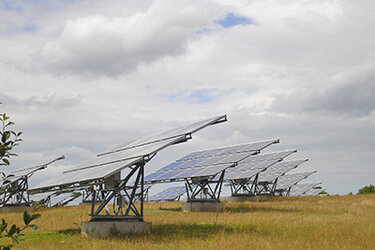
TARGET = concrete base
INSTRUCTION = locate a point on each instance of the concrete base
(15, 209)
(241, 198)
(203, 207)
(103, 229)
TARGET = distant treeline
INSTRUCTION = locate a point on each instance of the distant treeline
(367, 190)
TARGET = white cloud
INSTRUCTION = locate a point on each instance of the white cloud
(115, 45)
(93, 75)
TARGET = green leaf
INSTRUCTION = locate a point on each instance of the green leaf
(12, 230)
(9, 123)
(6, 161)
(35, 216)
(26, 218)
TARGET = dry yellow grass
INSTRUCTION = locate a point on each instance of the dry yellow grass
(335, 222)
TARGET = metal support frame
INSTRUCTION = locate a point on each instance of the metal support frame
(266, 188)
(99, 196)
(204, 189)
(123, 197)
(283, 192)
(244, 187)
(16, 193)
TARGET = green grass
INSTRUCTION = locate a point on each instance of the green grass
(335, 222)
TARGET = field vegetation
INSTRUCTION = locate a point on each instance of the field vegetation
(332, 222)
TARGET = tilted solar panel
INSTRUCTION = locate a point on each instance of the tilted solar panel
(249, 147)
(169, 194)
(169, 134)
(289, 180)
(207, 162)
(28, 171)
(255, 164)
(127, 155)
(277, 170)
(300, 189)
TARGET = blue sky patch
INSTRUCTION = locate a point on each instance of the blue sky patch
(10, 6)
(29, 28)
(232, 19)
(195, 97)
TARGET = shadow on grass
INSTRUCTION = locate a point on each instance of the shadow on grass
(70, 231)
(247, 209)
(171, 209)
(170, 232)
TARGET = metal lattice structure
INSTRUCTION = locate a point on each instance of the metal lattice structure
(244, 179)
(204, 171)
(118, 199)
(286, 182)
(16, 187)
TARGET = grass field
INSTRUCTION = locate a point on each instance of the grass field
(332, 222)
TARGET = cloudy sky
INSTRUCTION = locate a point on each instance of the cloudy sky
(79, 77)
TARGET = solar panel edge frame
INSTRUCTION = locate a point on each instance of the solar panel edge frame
(216, 120)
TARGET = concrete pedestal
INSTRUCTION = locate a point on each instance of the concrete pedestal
(203, 207)
(103, 229)
(241, 198)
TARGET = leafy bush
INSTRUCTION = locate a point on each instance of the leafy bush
(14, 232)
(8, 140)
(367, 189)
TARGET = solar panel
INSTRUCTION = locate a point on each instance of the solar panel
(63, 199)
(249, 147)
(207, 162)
(255, 164)
(313, 192)
(300, 189)
(28, 171)
(277, 170)
(169, 134)
(169, 194)
(289, 180)
(126, 155)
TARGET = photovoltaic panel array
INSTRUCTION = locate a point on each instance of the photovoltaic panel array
(300, 189)
(255, 164)
(288, 180)
(278, 169)
(28, 171)
(166, 135)
(169, 194)
(55, 199)
(206, 163)
(126, 155)
(255, 147)
(313, 192)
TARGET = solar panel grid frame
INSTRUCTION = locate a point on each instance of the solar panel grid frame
(169, 194)
(278, 169)
(289, 180)
(233, 155)
(249, 170)
(168, 134)
(208, 167)
(253, 165)
(248, 147)
(300, 189)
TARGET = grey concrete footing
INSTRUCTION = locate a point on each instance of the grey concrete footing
(203, 207)
(241, 198)
(103, 229)
(15, 209)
